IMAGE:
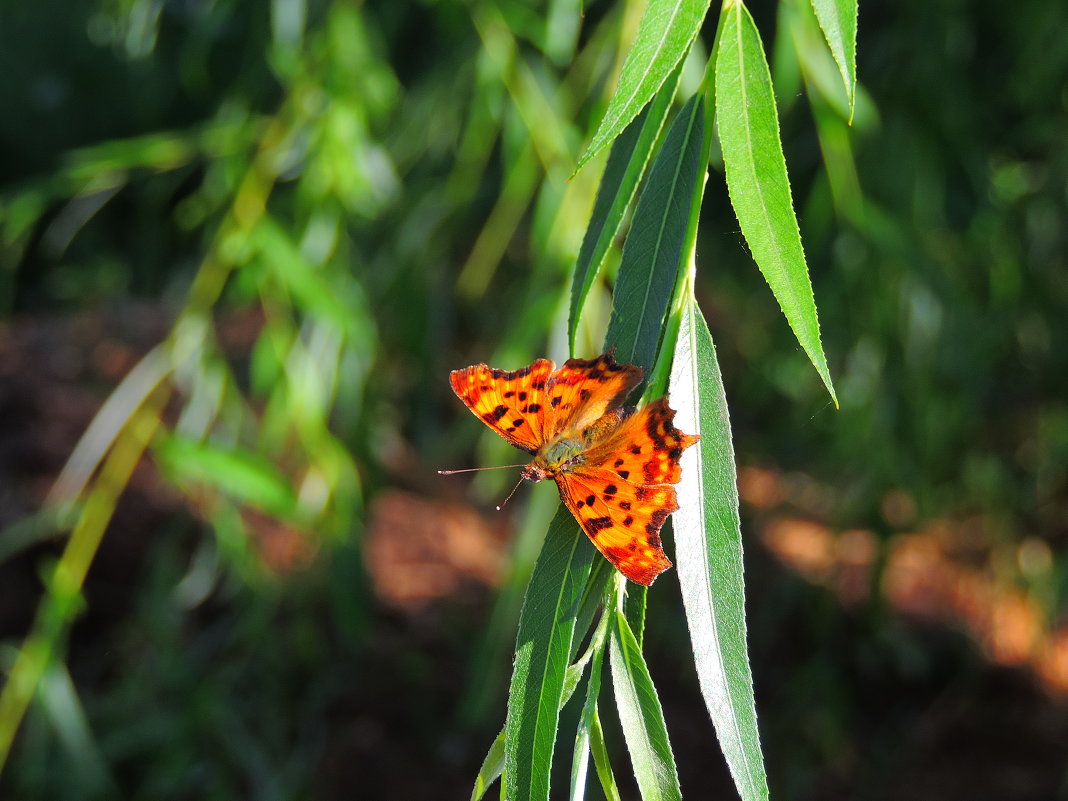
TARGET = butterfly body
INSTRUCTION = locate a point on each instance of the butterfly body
(614, 465)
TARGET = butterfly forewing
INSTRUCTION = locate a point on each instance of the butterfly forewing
(513, 403)
(582, 390)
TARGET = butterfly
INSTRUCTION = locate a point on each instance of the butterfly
(614, 465)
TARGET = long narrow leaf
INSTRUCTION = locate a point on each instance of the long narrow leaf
(543, 649)
(626, 165)
(708, 551)
(492, 767)
(641, 716)
(838, 19)
(653, 252)
(756, 176)
(600, 760)
(664, 34)
(580, 760)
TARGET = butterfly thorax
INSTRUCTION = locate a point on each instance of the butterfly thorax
(555, 456)
(567, 450)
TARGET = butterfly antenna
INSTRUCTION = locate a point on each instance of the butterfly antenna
(474, 469)
(510, 494)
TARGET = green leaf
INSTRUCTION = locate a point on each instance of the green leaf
(756, 177)
(245, 476)
(626, 165)
(653, 254)
(641, 716)
(492, 767)
(600, 760)
(664, 34)
(838, 19)
(546, 630)
(708, 554)
(580, 760)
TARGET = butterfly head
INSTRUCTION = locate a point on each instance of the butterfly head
(534, 472)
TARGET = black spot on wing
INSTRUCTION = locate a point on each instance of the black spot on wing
(595, 524)
(495, 415)
(654, 525)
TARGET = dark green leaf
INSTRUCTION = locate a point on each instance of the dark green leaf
(653, 254)
(546, 630)
(626, 165)
(641, 716)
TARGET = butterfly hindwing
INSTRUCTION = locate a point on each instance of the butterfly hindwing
(645, 448)
(511, 402)
(623, 520)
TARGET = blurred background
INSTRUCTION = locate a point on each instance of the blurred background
(243, 243)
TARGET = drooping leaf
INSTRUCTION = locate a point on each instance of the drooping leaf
(653, 253)
(708, 554)
(543, 649)
(580, 758)
(748, 127)
(626, 166)
(664, 34)
(245, 476)
(838, 19)
(641, 716)
(492, 767)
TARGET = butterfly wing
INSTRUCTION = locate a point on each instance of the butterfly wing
(645, 448)
(582, 390)
(623, 520)
(513, 403)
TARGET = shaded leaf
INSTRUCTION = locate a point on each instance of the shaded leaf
(652, 256)
(626, 165)
(546, 630)
(641, 716)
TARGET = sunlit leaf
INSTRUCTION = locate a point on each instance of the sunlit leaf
(708, 554)
(664, 34)
(492, 767)
(243, 475)
(748, 127)
(838, 19)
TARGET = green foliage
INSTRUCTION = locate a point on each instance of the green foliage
(748, 128)
(710, 566)
(333, 204)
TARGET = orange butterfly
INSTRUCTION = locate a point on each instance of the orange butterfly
(614, 465)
